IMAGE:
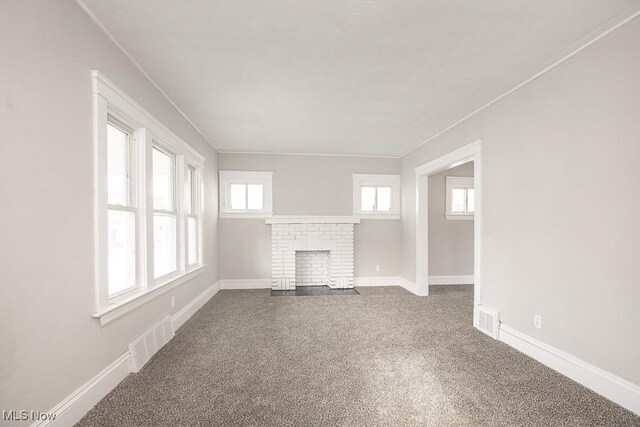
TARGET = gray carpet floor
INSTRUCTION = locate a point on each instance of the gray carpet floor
(383, 358)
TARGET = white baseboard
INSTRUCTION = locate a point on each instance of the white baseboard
(387, 281)
(196, 304)
(77, 404)
(377, 281)
(614, 388)
(396, 280)
(451, 280)
(245, 283)
(410, 286)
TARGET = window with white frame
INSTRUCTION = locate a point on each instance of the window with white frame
(376, 196)
(122, 210)
(165, 213)
(245, 194)
(460, 197)
(148, 206)
(193, 216)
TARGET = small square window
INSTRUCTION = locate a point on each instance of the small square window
(376, 199)
(245, 194)
(460, 196)
(376, 196)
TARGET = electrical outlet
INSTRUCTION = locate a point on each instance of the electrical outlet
(537, 321)
(173, 302)
(377, 268)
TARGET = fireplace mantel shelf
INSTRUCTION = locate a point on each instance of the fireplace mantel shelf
(311, 219)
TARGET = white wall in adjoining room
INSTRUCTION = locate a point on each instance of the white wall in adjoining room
(560, 206)
(450, 241)
(50, 343)
(308, 185)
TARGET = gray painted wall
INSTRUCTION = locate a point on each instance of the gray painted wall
(308, 185)
(561, 236)
(50, 344)
(450, 241)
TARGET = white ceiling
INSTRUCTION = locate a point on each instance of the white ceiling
(365, 77)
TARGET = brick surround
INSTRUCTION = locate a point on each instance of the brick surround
(306, 235)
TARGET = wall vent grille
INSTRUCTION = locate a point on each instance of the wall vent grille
(489, 322)
(148, 344)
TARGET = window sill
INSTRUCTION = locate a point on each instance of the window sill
(377, 216)
(119, 309)
(245, 215)
(459, 217)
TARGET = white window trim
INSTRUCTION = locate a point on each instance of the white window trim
(178, 211)
(198, 214)
(376, 180)
(111, 101)
(452, 182)
(246, 177)
(136, 204)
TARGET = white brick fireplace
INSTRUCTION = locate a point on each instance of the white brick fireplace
(311, 251)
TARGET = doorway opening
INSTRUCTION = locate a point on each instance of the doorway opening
(465, 202)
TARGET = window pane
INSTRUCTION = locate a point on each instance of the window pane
(122, 251)
(163, 180)
(471, 203)
(457, 200)
(254, 196)
(192, 236)
(238, 196)
(368, 199)
(164, 244)
(189, 199)
(117, 166)
(384, 199)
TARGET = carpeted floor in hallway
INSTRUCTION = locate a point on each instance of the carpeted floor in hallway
(382, 358)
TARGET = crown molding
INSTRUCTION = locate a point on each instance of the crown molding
(634, 15)
(635, 12)
(110, 36)
(267, 153)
